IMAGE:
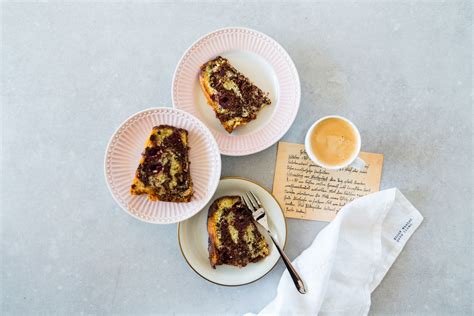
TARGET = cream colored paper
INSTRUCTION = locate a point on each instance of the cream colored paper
(307, 191)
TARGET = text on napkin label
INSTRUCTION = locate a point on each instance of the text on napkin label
(405, 228)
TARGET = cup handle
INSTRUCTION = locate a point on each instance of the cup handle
(358, 164)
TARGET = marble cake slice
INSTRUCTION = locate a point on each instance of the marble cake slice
(233, 235)
(163, 172)
(233, 97)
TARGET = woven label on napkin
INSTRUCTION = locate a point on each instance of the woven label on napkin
(307, 191)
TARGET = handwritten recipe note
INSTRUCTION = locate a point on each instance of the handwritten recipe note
(307, 191)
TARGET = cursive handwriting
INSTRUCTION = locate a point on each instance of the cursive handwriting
(308, 188)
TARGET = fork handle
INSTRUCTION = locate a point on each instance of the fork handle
(294, 275)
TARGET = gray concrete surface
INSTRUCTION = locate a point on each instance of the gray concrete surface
(72, 72)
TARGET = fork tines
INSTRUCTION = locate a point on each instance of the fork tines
(244, 201)
(251, 201)
(255, 206)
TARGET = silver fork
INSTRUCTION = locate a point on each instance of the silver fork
(260, 217)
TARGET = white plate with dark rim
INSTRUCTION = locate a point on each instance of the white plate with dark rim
(263, 61)
(193, 237)
(124, 151)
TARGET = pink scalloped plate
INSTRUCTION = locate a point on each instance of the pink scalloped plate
(124, 152)
(265, 63)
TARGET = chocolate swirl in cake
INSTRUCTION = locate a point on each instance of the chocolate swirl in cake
(235, 99)
(233, 235)
(163, 172)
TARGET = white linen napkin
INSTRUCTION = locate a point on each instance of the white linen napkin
(349, 257)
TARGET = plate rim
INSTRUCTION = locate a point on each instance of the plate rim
(276, 262)
(292, 64)
(109, 143)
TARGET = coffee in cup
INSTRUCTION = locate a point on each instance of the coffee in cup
(333, 142)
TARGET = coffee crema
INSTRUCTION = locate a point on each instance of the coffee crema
(334, 142)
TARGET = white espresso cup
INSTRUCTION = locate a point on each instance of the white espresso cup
(354, 161)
